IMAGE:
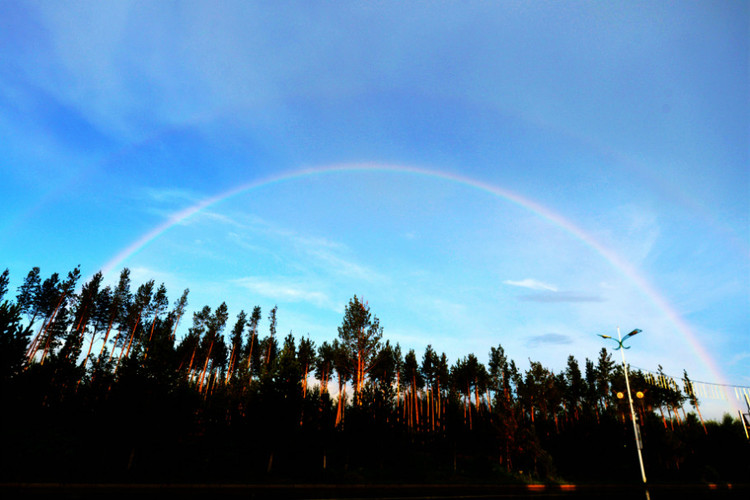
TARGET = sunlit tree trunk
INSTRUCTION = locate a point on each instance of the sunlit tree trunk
(114, 343)
(250, 354)
(231, 364)
(106, 335)
(439, 410)
(342, 402)
(476, 395)
(697, 408)
(416, 403)
(676, 413)
(205, 366)
(190, 365)
(150, 336)
(91, 344)
(43, 331)
(130, 341)
(304, 380)
(398, 390)
(430, 410)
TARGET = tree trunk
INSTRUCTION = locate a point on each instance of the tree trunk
(416, 402)
(45, 327)
(106, 335)
(231, 364)
(150, 336)
(114, 344)
(340, 409)
(697, 408)
(250, 356)
(205, 366)
(130, 342)
(304, 381)
(91, 344)
(174, 330)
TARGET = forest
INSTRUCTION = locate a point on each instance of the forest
(98, 386)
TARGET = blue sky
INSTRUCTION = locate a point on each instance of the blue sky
(629, 122)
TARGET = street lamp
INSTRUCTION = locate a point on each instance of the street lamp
(636, 433)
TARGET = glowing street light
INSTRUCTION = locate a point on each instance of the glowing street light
(638, 443)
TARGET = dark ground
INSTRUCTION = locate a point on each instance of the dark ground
(354, 491)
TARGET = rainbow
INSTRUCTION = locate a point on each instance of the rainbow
(541, 211)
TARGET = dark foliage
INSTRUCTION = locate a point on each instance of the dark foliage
(238, 406)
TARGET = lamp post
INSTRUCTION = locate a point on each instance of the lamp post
(636, 433)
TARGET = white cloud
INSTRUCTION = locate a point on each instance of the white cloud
(335, 264)
(564, 296)
(741, 356)
(284, 291)
(532, 284)
(633, 230)
(549, 338)
(328, 255)
(170, 195)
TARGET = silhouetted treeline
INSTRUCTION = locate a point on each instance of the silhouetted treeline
(97, 385)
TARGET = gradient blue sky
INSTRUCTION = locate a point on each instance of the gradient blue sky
(629, 121)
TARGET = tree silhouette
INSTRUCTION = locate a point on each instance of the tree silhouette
(4, 280)
(196, 407)
(14, 341)
(360, 334)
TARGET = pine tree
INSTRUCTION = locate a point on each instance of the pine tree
(428, 371)
(360, 334)
(251, 347)
(272, 333)
(306, 357)
(412, 379)
(14, 341)
(28, 293)
(236, 341)
(342, 363)
(117, 308)
(386, 367)
(139, 308)
(43, 304)
(4, 279)
(442, 377)
(178, 310)
(574, 385)
(591, 399)
(604, 372)
(65, 293)
(324, 363)
(213, 338)
(86, 309)
(689, 390)
(157, 307)
(188, 350)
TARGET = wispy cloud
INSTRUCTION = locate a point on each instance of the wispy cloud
(284, 290)
(336, 264)
(548, 293)
(532, 284)
(170, 195)
(564, 296)
(328, 255)
(258, 235)
(549, 338)
(739, 357)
